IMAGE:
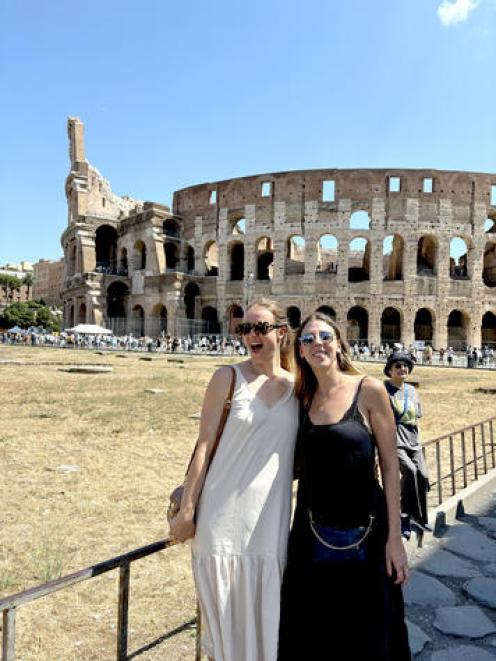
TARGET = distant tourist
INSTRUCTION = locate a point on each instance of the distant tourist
(406, 407)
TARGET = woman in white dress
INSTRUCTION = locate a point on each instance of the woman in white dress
(243, 515)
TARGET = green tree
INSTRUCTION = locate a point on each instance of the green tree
(20, 314)
(9, 283)
(31, 313)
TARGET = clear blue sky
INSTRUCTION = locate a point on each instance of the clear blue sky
(178, 93)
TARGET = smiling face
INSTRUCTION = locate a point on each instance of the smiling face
(399, 371)
(262, 347)
(320, 345)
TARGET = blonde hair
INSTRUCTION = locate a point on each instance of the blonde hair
(286, 346)
(306, 381)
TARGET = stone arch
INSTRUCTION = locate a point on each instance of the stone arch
(327, 254)
(393, 249)
(191, 300)
(458, 325)
(488, 329)
(106, 248)
(139, 260)
(390, 325)
(123, 264)
(327, 310)
(211, 258)
(189, 256)
(117, 299)
(489, 265)
(82, 314)
(171, 252)
(460, 248)
(236, 255)
(359, 259)
(171, 228)
(423, 326)
(138, 321)
(360, 220)
(235, 315)
(265, 258)
(427, 250)
(210, 319)
(490, 225)
(293, 314)
(295, 255)
(238, 225)
(72, 320)
(357, 328)
(159, 320)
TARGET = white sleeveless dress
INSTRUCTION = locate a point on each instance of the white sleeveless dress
(243, 518)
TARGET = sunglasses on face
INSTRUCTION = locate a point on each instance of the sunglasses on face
(309, 338)
(398, 366)
(260, 328)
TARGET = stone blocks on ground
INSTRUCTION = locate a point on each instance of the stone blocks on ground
(424, 590)
(463, 653)
(417, 637)
(483, 590)
(463, 621)
(444, 563)
(465, 540)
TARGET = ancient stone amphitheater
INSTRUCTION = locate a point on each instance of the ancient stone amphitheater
(391, 254)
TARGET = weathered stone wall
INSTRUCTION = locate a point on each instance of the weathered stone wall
(457, 206)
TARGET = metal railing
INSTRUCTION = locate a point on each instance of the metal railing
(9, 605)
(470, 453)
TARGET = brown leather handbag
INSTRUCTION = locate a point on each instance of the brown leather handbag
(176, 496)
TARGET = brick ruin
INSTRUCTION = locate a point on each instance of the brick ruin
(392, 255)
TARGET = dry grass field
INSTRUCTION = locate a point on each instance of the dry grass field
(86, 464)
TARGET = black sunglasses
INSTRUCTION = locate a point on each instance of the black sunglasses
(260, 328)
(309, 338)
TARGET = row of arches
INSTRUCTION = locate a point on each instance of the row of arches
(391, 328)
(359, 258)
(357, 319)
(182, 257)
(117, 300)
(359, 220)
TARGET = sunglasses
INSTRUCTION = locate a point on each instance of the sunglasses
(309, 338)
(398, 366)
(260, 328)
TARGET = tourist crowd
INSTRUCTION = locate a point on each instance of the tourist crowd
(231, 345)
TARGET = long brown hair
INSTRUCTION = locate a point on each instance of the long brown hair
(306, 381)
(286, 347)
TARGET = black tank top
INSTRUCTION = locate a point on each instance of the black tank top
(338, 469)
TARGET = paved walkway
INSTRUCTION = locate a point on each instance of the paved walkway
(451, 597)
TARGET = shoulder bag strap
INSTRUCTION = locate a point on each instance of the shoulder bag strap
(222, 422)
(224, 416)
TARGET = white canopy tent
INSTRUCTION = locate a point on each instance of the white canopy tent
(90, 329)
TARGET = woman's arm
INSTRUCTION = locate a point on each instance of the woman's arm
(182, 526)
(381, 418)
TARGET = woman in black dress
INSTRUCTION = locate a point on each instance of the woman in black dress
(341, 595)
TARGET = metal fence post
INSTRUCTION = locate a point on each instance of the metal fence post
(123, 612)
(8, 637)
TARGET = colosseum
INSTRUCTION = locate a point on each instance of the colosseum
(392, 255)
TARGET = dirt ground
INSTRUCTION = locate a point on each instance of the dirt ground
(86, 465)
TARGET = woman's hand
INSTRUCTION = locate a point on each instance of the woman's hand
(397, 561)
(182, 526)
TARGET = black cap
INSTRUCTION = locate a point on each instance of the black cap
(399, 356)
